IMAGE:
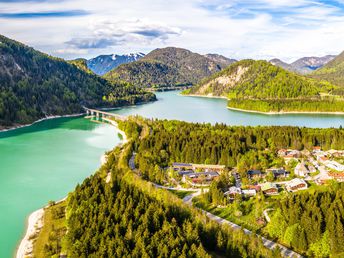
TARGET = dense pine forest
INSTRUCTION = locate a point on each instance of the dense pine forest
(34, 85)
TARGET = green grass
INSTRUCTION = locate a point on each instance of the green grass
(52, 228)
(180, 193)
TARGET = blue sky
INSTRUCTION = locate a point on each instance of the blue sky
(260, 29)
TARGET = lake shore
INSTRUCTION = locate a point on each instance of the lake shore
(35, 220)
(204, 96)
(287, 112)
(37, 121)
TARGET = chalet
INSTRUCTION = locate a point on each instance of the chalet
(249, 192)
(337, 176)
(200, 177)
(295, 185)
(334, 165)
(301, 170)
(278, 172)
(254, 174)
(233, 192)
(316, 149)
(207, 168)
(269, 188)
(181, 166)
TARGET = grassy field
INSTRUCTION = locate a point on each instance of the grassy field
(49, 239)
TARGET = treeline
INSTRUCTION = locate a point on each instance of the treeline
(311, 222)
(300, 105)
(34, 85)
(245, 147)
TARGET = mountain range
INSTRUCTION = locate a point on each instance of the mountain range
(104, 63)
(168, 67)
(304, 65)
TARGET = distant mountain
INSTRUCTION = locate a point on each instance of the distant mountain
(224, 61)
(307, 65)
(104, 63)
(167, 67)
(304, 65)
(34, 85)
(280, 63)
(333, 71)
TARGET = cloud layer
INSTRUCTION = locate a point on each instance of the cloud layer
(239, 29)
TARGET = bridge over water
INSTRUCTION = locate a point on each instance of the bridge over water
(104, 114)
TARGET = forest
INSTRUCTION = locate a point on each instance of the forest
(296, 105)
(34, 85)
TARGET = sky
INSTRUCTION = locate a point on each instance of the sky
(258, 29)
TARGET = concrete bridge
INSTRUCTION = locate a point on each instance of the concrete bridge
(104, 114)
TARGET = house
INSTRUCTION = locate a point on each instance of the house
(200, 177)
(254, 174)
(205, 167)
(249, 192)
(278, 172)
(233, 192)
(269, 188)
(181, 166)
(334, 165)
(296, 184)
(316, 149)
(301, 170)
(337, 176)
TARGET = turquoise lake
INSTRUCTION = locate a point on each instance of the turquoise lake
(45, 161)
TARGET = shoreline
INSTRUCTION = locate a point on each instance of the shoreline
(204, 96)
(34, 221)
(287, 112)
(11, 128)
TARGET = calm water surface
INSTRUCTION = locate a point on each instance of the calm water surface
(171, 105)
(45, 161)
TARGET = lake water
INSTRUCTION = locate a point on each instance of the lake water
(172, 105)
(46, 160)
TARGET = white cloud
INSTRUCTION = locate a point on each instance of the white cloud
(271, 28)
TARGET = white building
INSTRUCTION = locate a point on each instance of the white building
(296, 184)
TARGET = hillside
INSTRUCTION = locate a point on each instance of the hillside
(332, 71)
(166, 67)
(104, 63)
(261, 86)
(34, 85)
(304, 65)
(80, 63)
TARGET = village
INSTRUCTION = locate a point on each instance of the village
(308, 167)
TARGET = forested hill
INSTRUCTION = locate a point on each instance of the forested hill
(168, 67)
(257, 79)
(34, 85)
(81, 63)
(332, 71)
